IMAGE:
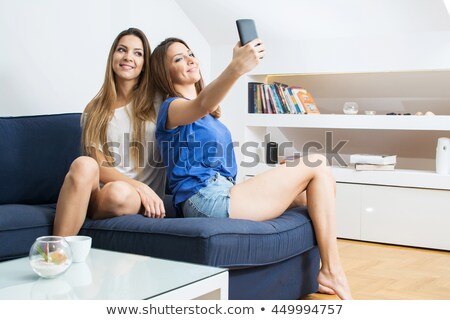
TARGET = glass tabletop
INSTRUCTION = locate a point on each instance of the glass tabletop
(104, 275)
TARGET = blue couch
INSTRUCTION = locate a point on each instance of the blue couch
(276, 259)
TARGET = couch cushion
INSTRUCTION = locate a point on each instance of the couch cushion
(213, 241)
(36, 154)
(20, 225)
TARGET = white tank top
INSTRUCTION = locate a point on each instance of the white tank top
(119, 134)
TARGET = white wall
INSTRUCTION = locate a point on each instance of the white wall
(390, 52)
(54, 52)
(324, 36)
(421, 51)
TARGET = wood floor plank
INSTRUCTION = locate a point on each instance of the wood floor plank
(387, 272)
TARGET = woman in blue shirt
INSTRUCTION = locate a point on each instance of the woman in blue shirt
(201, 166)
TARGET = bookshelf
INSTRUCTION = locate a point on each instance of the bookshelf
(406, 206)
(340, 121)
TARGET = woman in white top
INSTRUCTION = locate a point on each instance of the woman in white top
(121, 172)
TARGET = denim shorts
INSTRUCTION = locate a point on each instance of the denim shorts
(212, 201)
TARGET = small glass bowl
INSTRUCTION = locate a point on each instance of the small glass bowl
(50, 256)
(350, 108)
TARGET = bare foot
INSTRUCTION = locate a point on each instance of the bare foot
(336, 282)
(325, 290)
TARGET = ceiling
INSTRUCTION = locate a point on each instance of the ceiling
(291, 20)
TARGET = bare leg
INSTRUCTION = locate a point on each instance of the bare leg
(115, 199)
(80, 194)
(301, 201)
(81, 181)
(268, 195)
(321, 209)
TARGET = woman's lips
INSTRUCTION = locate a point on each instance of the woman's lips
(126, 66)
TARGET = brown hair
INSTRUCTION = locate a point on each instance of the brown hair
(100, 109)
(161, 81)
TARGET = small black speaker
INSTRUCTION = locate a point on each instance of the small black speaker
(272, 153)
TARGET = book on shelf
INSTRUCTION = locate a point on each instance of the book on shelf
(307, 101)
(262, 96)
(304, 100)
(272, 98)
(298, 101)
(252, 98)
(279, 88)
(279, 98)
(259, 103)
(271, 108)
(293, 100)
(378, 159)
(374, 167)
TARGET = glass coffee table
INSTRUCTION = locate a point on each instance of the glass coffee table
(109, 275)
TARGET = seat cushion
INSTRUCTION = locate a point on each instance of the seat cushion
(213, 241)
(20, 225)
(36, 154)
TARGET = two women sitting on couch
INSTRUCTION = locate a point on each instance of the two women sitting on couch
(188, 118)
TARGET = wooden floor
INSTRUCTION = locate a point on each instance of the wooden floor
(386, 272)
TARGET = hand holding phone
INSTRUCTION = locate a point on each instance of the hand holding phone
(247, 30)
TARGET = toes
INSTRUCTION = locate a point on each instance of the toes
(325, 290)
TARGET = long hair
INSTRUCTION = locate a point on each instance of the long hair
(100, 109)
(161, 81)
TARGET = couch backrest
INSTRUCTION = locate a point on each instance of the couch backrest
(36, 153)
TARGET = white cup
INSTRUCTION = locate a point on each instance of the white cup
(80, 246)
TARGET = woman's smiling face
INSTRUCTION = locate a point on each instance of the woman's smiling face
(128, 58)
(183, 65)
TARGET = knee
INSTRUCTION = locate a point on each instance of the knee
(83, 170)
(324, 170)
(318, 164)
(117, 195)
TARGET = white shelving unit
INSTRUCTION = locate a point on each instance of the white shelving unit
(397, 178)
(406, 207)
(340, 121)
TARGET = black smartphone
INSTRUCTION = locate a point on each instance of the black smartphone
(247, 30)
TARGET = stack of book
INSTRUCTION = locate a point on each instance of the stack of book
(279, 98)
(373, 162)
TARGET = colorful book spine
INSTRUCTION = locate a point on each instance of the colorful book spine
(284, 104)
(295, 91)
(259, 108)
(272, 107)
(294, 101)
(279, 98)
(308, 102)
(289, 101)
(276, 99)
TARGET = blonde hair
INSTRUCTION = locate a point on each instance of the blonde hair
(161, 80)
(100, 110)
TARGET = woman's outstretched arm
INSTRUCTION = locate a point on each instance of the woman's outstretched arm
(182, 112)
